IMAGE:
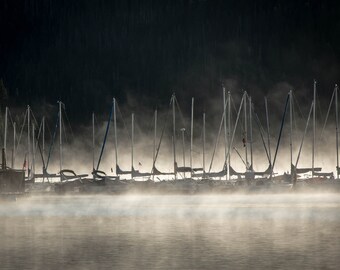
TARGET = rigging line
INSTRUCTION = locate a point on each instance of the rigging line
(96, 122)
(294, 115)
(234, 106)
(180, 113)
(38, 137)
(303, 137)
(241, 120)
(97, 127)
(68, 121)
(52, 143)
(258, 119)
(231, 102)
(153, 117)
(238, 153)
(160, 139)
(16, 138)
(48, 128)
(10, 117)
(258, 122)
(279, 139)
(216, 143)
(299, 107)
(201, 139)
(137, 129)
(319, 105)
(218, 137)
(201, 151)
(42, 157)
(64, 130)
(124, 124)
(105, 137)
(234, 130)
(295, 103)
(35, 120)
(328, 111)
(40, 130)
(21, 131)
(151, 125)
(17, 118)
(38, 145)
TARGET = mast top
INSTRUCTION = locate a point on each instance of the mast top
(60, 103)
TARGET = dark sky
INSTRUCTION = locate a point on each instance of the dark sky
(85, 52)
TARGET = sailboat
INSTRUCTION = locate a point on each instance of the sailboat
(181, 171)
(71, 182)
(323, 180)
(12, 181)
(317, 175)
(113, 183)
(135, 173)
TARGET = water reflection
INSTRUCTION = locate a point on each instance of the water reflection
(171, 232)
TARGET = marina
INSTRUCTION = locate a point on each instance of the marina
(184, 178)
(179, 134)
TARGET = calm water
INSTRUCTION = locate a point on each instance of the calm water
(171, 232)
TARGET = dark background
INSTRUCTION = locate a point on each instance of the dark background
(85, 52)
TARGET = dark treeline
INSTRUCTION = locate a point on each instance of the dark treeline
(85, 52)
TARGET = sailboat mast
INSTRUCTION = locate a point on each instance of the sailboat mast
(303, 138)
(251, 133)
(314, 127)
(43, 136)
(14, 143)
(337, 131)
(268, 129)
(154, 138)
(204, 145)
(279, 138)
(245, 129)
(154, 146)
(28, 139)
(33, 151)
(93, 140)
(174, 133)
(5, 135)
(115, 131)
(291, 134)
(191, 131)
(225, 124)
(132, 139)
(60, 140)
(183, 146)
(43, 146)
(229, 134)
(236, 123)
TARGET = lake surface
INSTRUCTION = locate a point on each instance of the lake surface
(294, 231)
